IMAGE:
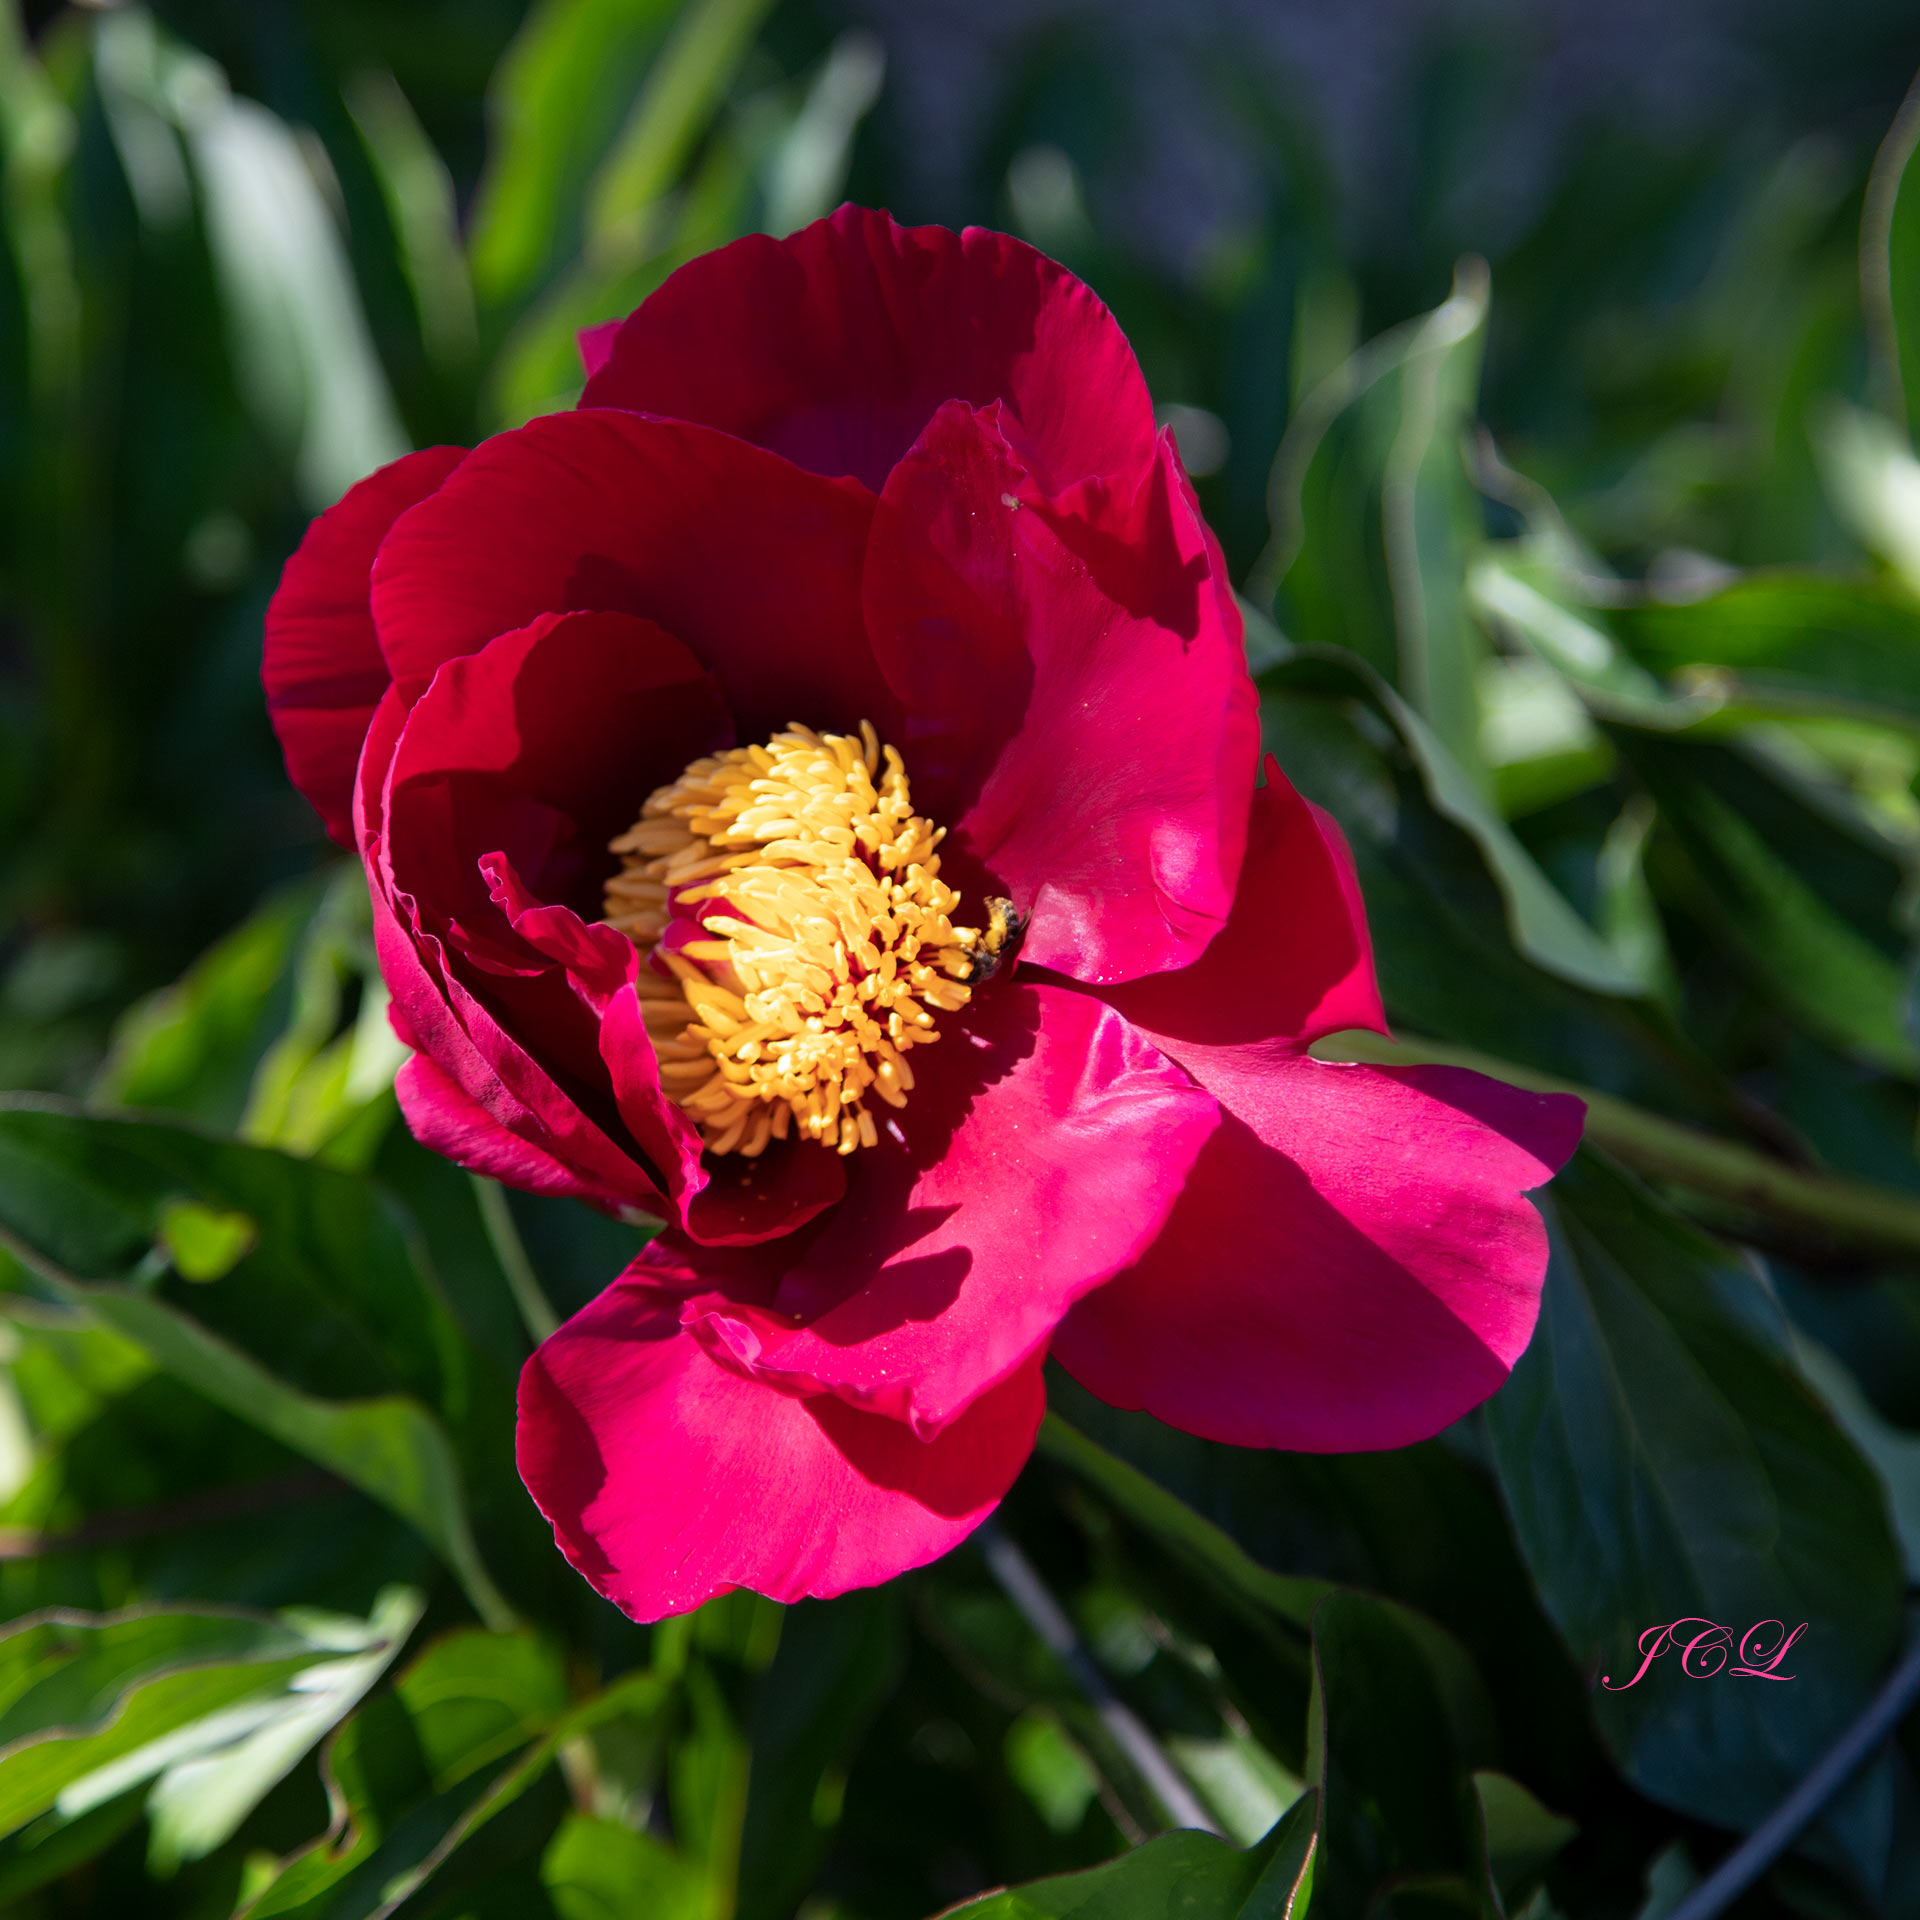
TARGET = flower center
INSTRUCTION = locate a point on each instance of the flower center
(789, 901)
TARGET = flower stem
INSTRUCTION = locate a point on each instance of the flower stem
(508, 1248)
(1044, 1614)
(1837, 1212)
(1783, 1825)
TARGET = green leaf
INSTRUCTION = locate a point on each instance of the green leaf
(1813, 641)
(419, 194)
(1180, 1876)
(1374, 515)
(601, 1870)
(213, 1709)
(1399, 1722)
(416, 1774)
(1890, 265)
(303, 355)
(1802, 889)
(192, 1047)
(1522, 1837)
(1542, 925)
(1204, 1547)
(538, 367)
(1662, 1459)
(251, 1038)
(555, 102)
(330, 1293)
(202, 1243)
(683, 87)
(836, 1662)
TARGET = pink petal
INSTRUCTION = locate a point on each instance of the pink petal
(596, 345)
(1294, 960)
(1351, 1266)
(752, 564)
(835, 346)
(485, 1102)
(322, 665)
(669, 1479)
(441, 1116)
(1083, 723)
(1044, 1144)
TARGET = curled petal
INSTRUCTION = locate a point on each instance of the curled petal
(1294, 961)
(1352, 1265)
(322, 665)
(751, 564)
(1083, 723)
(835, 346)
(1042, 1147)
(669, 1479)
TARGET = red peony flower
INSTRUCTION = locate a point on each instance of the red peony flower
(809, 796)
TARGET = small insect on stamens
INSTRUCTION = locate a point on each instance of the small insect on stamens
(997, 943)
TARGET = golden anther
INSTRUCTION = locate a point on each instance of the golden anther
(830, 940)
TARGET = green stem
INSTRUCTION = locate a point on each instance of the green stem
(1839, 1212)
(1208, 1549)
(508, 1248)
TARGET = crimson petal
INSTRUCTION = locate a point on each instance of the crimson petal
(669, 1479)
(322, 665)
(1091, 745)
(1351, 1266)
(1294, 961)
(749, 562)
(836, 345)
(1044, 1143)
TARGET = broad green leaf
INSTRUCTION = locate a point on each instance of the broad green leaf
(1399, 1723)
(252, 1038)
(600, 1870)
(1375, 518)
(1662, 1459)
(1894, 1454)
(417, 1772)
(1804, 893)
(212, 1709)
(1521, 595)
(1522, 1837)
(1823, 642)
(330, 1294)
(1180, 1876)
(1419, 1525)
(1543, 926)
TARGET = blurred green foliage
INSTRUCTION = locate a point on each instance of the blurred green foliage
(1582, 586)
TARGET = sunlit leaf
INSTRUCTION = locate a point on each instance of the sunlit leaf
(81, 1199)
(1180, 1876)
(212, 1709)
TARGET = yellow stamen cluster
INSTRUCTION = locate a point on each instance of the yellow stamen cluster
(830, 948)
